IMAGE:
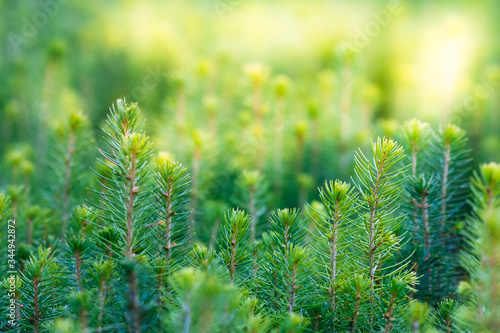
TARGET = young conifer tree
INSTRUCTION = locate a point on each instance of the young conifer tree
(66, 166)
(332, 244)
(172, 232)
(79, 245)
(235, 246)
(434, 201)
(379, 182)
(286, 272)
(421, 204)
(128, 206)
(39, 300)
(443, 316)
(101, 275)
(453, 173)
(482, 261)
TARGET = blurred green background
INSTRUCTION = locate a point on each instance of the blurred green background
(289, 88)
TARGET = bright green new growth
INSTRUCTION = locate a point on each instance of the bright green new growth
(207, 305)
(235, 245)
(417, 136)
(452, 141)
(379, 183)
(417, 316)
(77, 252)
(334, 239)
(126, 204)
(443, 316)
(482, 262)
(172, 232)
(379, 186)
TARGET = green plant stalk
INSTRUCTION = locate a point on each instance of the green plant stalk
(427, 243)
(29, 237)
(333, 261)
(252, 211)
(213, 234)
(257, 108)
(132, 191)
(103, 289)
(78, 269)
(235, 243)
(345, 117)
(168, 221)
(388, 314)
(47, 96)
(373, 207)
(84, 320)
(102, 299)
(278, 144)
(300, 167)
(414, 154)
(356, 309)
(194, 186)
(232, 265)
(425, 221)
(68, 162)
(133, 300)
(36, 311)
(444, 187)
(414, 151)
(293, 287)
(494, 324)
(315, 146)
(159, 287)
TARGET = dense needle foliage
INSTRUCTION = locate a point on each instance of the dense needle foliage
(380, 253)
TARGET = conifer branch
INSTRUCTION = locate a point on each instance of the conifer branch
(128, 205)
(482, 261)
(39, 301)
(340, 203)
(444, 185)
(172, 193)
(378, 185)
(234, 245)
